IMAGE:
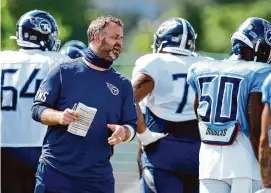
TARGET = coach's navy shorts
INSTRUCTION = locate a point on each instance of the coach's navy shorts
(49, 180)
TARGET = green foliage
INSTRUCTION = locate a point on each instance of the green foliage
(221, 21)
(141, 42)
(7, 27)
(73, 18)
(214, 21)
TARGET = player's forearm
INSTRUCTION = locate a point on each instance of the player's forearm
(139, 163)
(255, 133)
(141, 126)
(50, 117)
(264, 149)
(255, 108)
(142, 86)
(265, 163)
(255, 147)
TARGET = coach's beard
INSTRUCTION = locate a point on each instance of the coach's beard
(96, 60)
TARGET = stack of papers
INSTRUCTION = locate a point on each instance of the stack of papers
(82, 126)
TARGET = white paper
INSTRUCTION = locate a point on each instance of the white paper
(82, 126)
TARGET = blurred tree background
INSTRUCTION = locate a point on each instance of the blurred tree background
(213, 20)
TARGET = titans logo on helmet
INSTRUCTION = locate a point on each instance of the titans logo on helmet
(166, 26)
(42, 25)
(267, 32)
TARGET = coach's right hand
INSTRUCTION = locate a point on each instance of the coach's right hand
(68, 116)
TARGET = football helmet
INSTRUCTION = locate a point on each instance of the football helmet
(37, 29)
(73, 48)
(175, 35)
(72, 52)
(254, 33)
(75, 43)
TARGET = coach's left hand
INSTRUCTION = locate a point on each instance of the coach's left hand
(119, 134)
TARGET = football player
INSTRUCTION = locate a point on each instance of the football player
(265, 142)
(169, 133)
(21, 74)
(229, 127)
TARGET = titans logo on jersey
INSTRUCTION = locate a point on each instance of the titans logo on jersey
(223, 88)
(266, 90)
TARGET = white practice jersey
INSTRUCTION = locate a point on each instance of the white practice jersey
(172, 98)
(21, 74)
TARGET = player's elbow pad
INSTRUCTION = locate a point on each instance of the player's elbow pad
(36, 112)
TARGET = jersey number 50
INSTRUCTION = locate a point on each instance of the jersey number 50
(224, 96)
(14, 92)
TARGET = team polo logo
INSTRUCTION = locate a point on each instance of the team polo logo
(267, 32)
(114, 90)
(42, 25)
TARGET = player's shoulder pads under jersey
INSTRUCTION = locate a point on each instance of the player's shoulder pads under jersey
(200, 57)
(153, 59)
(32, 56)
(229, 66)
(50, 57)
(189, 60)
(256, 66)
(195, 69)
(201, 65)
(154, 64)
(12, 56)
(255, 73)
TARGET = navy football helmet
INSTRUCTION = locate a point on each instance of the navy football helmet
(37, 29)
(254, 33)
(73, 48)
(72, 52)
(175, 35)
(75, 43)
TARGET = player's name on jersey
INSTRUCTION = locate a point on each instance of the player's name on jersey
(216, 133)
(217, 136)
